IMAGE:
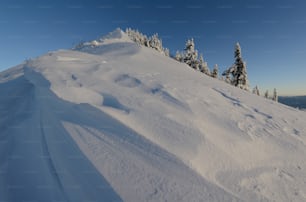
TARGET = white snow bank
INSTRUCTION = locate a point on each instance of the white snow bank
(145, 128)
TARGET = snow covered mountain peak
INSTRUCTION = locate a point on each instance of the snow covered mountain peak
(115, 40)
(116, 121)
(116, 34)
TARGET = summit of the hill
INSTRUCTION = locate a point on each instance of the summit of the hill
(113, 41)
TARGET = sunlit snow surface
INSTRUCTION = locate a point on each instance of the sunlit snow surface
(119, 122)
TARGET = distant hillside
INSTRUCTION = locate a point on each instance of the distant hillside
(294, 101)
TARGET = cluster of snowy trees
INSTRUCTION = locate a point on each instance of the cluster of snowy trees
(266, 95)
(235, 75)
(152, 42)
(190, 57)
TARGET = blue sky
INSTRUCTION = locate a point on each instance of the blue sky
(272, 33)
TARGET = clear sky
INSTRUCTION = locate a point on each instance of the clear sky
(272, 33)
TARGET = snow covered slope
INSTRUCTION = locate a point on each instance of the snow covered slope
(118, 122)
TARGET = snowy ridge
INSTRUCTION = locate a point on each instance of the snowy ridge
(125, 123)
(116, 40)
(116, 36)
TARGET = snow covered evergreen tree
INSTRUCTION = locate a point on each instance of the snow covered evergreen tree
(275, 97)
(167, 52)
(189, 52)
(156, 43)
(240, 75)
(179, 56)
(256, 91)
(191, 55)
(195, 63)
(238, 71)
(215, 71)
(203, 67)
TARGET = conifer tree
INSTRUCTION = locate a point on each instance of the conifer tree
(256, 91)
(203, 66)
(191, 55)
(195, 64)
(178, 56)
(156, 43)
(166, 52)
(237, 72)
(240, 78)
(215, 71)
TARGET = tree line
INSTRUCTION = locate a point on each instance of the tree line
(235, 75)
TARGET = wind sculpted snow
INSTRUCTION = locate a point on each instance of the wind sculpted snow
(129, 124)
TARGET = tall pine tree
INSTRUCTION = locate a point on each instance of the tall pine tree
(215, 71)
(256, 90)
(191, 55)
(203, 66)
(237, 74)
(156, 43)
(240, 78)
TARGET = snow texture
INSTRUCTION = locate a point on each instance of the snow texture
(119, 122)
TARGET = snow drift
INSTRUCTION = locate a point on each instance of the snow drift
(114, 121)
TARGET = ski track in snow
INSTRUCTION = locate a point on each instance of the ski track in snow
(120, 122)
